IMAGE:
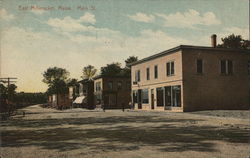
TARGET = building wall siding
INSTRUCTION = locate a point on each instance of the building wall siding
(211, 90)
(162, 80)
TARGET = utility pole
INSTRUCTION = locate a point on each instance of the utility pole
(8, 80)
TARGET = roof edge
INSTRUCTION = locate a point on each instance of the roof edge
(180, 47)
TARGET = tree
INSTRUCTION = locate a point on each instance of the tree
(130, 59)
(55, 73)
(7, 98)
(113, 69)
(89, 72)
(56, 79)
(234, 41)
(3, 97)
(58, 87)
(72, 82)
(11, 91)
(127, 70)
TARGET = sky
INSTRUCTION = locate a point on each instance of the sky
(38, 34)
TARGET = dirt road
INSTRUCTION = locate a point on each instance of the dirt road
(80, 133)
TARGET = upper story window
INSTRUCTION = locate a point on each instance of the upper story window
(137, 76)
(98, 86)
(110, 85)
(199, 66)
(226, 67)
(148, 73)
(119, 85)
(156, 71)
(170, 68)
(248, 67)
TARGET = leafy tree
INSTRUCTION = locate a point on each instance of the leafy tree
(3, 96)
(89, 72)
(3, 91)
(130, 60)
(234, 41)
(24, 99)
(72, 82)
(11, 91)
(56, 79)
(113, 69)
(55, 73)
(127, 70)
(58, 87)
(7, 98)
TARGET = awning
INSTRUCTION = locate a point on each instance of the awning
(79, 100)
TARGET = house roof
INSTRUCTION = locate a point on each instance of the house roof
(84, 81)
(106, 76)
(181, 47)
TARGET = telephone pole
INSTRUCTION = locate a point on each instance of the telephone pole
(8, 80)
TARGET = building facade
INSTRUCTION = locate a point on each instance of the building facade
(60, 101)
(191, 78)
(83, 94)
(112, 92)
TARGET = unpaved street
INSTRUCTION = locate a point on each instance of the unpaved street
(76, 133)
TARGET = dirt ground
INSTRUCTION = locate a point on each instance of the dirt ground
(76, 133)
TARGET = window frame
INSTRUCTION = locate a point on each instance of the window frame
(98, 86)
(248, 66)
(156, 71)
(145, 93)
(170, 68)
(112, 85)
(197, 66)
(226, 68)
(148, 73)
(119, 85)
(137, 76)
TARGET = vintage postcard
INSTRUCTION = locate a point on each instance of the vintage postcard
(125, 78)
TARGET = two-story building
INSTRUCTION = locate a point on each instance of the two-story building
(83, 94)
(190, 78)
(112, 92)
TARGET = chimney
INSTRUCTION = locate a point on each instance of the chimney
(213, 41)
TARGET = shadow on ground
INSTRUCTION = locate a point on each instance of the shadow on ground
(119, 133)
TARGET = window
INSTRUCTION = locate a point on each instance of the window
(137, 76)
(248, 67)
(170, 68)
(135, 96)
(156, 71)
(230, 67)
(145, 96)
(98, 86)
(110, 85)
(119, 85)
(81, 89)
(176, 96)
(199, 66)
(226, 67)
(168, 96)
(173, 96)
(148, 73)
(159, 96)
(98, 98)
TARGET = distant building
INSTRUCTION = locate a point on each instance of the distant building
(112, 91)
(60, 101)
(190, 78)
(84, 94)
